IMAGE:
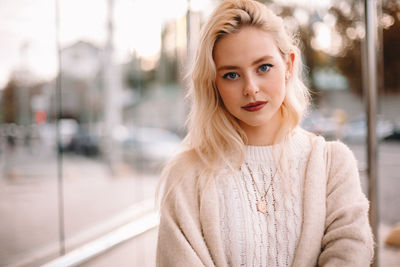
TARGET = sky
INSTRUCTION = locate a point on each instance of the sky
(28, 31)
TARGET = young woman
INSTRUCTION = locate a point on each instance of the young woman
(250, 187)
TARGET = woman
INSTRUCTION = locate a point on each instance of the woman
(250, 187)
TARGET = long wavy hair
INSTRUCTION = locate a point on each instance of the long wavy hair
(215, 140)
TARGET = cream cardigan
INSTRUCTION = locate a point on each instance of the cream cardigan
(335, 229)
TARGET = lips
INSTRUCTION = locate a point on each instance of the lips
(254, 106)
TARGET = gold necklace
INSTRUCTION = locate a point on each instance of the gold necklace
(262, 203)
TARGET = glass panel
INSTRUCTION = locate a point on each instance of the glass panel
(388, 128)
(122, 108)
(100, 187)
(28, 159)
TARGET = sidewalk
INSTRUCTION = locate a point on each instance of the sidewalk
(28, 205)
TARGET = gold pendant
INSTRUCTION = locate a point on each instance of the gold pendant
(262, 206)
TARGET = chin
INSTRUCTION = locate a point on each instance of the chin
(254, 123)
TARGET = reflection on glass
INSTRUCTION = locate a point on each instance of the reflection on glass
(28, 165)
(122, 116)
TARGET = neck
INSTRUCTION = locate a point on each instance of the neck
(264, 135)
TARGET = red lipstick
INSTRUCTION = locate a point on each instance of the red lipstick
(254, 106)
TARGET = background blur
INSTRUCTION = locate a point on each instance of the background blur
(92, 104)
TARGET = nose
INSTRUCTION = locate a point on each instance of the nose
(250, 87)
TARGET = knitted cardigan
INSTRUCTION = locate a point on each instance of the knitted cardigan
(335, 229)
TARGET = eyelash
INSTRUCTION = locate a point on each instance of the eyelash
(226, 75)
(266, 65)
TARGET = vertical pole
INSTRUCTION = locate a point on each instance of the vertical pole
(371, 108)
(188, 32)
(109, 89)
(61, 228)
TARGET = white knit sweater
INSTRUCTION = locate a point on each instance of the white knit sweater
(252, 238)
(334, 219)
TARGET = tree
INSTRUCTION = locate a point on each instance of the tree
(351, 27)
(349, 24)
(391, 45)
(9, 102)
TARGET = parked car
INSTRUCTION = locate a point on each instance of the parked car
(337, 127)
(319, 124)
(68, 128)
(356, 129)
(148, 147)
(394, 136)
(84, 142)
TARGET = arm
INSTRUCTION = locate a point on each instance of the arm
(180, 239)
(347, 239)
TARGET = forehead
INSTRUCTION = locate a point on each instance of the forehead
(245, 46)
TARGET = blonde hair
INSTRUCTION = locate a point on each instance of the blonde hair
(214, 135)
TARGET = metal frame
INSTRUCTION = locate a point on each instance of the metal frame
(370, 80)
(106, 242)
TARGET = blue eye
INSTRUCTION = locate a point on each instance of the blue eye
(231, 76)
(264, 67)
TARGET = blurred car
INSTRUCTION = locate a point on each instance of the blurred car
(148, 147)
(84, 142)
(68, 128)
(356, 129)
(394, 136)
(319, 124)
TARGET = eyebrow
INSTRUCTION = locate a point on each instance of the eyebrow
(257, 61)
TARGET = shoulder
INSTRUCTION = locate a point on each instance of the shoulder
(338, 147)
(335, 148)
(185, 161)
(342, 167)
(183, 166)
(339, 154)
(335, 153)
(180, 175)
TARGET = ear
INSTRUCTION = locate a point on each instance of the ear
(289, 64)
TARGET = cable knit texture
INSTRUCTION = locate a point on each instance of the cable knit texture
(322, 221)
(252, 238)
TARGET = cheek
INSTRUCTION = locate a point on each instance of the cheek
(281, 92)
(229, 98)
(225, 96)
(279, 85)
(223, 90)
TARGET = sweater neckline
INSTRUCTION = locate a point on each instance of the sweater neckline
(270, 152)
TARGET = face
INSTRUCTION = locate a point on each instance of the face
(251, 78)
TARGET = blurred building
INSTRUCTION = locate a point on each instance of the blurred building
(81, 90)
